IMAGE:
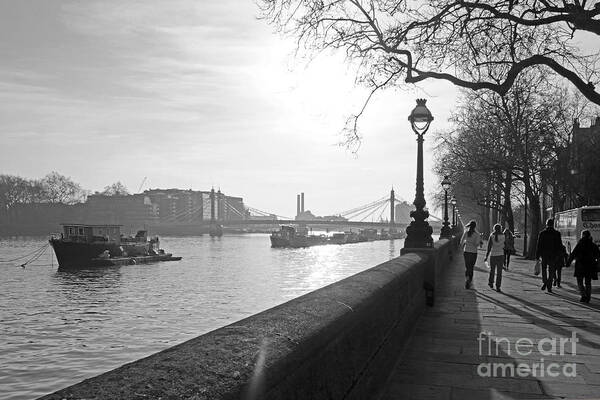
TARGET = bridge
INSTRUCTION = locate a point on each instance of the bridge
(380, 213)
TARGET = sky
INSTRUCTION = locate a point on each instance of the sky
(197, 94)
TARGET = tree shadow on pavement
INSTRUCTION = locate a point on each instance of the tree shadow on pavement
(544, 323)
(447, 356)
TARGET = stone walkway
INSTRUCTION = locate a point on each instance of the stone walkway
(445, 359)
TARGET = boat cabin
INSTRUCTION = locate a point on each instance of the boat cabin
(92, 233)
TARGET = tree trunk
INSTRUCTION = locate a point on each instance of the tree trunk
(485, 221)
(535, 224)
(498, 213)
(508, 212)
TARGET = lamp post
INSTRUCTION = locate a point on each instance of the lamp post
(446, 232)
(453, 202)
(486, 215)
(418, 233)
(525, 252)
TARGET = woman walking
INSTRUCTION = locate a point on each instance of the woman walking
(496, 248)
(509, 247)
(586, 255)
(470, 240)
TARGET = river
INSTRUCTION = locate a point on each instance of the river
(58, 328)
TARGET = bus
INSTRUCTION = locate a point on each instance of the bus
(570, 223)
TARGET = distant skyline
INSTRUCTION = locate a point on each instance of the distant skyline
(194, 95)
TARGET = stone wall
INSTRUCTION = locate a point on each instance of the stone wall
(338, 342)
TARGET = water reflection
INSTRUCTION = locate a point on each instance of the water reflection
(393, 253)
(108, 276)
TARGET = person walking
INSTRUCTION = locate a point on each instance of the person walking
(586, 256)
(509, 247)
(470, 240)
(495, 248)
(549, 249)
(561, 261)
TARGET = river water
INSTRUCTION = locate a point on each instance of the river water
(58, 328)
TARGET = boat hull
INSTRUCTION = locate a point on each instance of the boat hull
(77, 255)
(80, 255)
(104, 262)
(297, 241)
(289, 242)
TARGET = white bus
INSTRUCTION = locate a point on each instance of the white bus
(570, 223)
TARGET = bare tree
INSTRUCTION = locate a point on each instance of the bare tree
(116, 189)
(473, 44)
(14, 189)
(61, 189)
(510, 143)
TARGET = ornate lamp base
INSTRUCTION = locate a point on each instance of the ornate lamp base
(446, 231)
(418, 233)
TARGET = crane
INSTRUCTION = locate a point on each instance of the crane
(142, 184)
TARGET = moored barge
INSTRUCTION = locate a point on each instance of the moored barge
(288, 236)
(83, 246)
(294, 237)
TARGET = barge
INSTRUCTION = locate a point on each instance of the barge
(288, 236)
(294, 237)
(83, 246)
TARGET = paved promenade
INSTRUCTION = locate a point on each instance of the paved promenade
(444, 359)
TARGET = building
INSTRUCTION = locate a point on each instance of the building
(193, 206)
(132, 211)
(575, 181)
(178, 206)
(402, 213)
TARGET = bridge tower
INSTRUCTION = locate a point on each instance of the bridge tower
(212, 206)
(220, 206)
(392, 212)
(215, 229)
(392, 207)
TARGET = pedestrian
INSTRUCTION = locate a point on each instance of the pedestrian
(560, 263)
(586, 256)
(470, 240)
(495, 248)
(549, 249)
(509, 246)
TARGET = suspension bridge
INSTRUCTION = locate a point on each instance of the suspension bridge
(387, 212)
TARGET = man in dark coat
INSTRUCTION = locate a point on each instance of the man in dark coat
(549, 249)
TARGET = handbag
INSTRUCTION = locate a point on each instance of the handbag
(537, 268)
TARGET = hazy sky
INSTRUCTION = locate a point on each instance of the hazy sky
(191, 94)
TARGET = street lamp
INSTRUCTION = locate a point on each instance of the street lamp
(453, 202)
(446, 232)
(418, 233)
(485, 213)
